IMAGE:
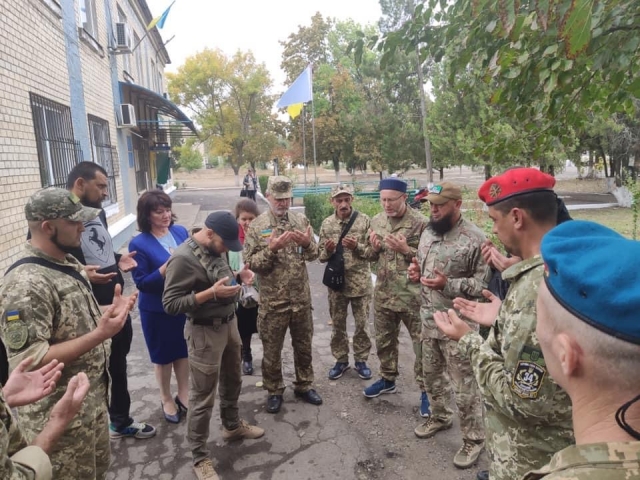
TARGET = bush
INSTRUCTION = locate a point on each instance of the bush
(317, 207)
(263, 180)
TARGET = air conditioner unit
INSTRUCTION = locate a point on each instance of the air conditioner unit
(123, 37)
(126, 115)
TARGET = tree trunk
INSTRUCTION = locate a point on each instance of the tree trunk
(487, 171)
(591, 173)
(441, 170)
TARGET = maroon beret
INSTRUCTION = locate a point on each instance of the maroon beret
(513, 182)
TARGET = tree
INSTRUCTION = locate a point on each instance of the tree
(229, 99)
(189, 157)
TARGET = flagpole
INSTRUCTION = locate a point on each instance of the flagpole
(304, 148)
(313, 128)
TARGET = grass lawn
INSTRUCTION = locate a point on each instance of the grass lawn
(618, 219)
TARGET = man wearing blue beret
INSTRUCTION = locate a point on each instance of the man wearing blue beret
(527, 415)
(393, 238)
(588, 328)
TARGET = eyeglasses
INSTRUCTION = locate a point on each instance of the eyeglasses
(392, 200)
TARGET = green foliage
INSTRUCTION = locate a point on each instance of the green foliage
(317, 208)
(367, 206)
(263, 180)
(188, 158)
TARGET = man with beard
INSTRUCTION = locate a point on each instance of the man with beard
(200, 284)
(47, 312)
(88, 181)
(352, 227)
(394, 237)
(527, 416)
(449, 264)
(277, 247)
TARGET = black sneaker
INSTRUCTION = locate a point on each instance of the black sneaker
(338, 370)
(310, 396)
(364, 372)
(274, 403)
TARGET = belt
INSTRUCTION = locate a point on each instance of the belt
(211, 321)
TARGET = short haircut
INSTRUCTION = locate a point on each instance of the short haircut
(246, 205)
(86, 171)
(541, 205)
(148, 202)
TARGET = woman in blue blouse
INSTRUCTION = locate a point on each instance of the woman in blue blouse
(163, 333)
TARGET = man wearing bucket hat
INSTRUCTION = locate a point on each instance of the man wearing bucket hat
(277, 247)
(528, 416)
(200, 284)
(393, 242)
(47, 312)
(589, 333)
(357, 281)
(449, 264)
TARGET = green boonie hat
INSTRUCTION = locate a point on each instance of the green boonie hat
(339, 189)
(51, 203)
(280, 187)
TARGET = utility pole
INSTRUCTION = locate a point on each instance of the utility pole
(423, 109)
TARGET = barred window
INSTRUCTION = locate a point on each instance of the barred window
(104, 154)
(141, 164)
(58, 151)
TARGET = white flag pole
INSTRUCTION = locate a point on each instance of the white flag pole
(304, 146)
(313, 127)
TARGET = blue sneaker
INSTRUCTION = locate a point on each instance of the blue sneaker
(425, 406)
(364, 372)
(338, 370)
(379, 387)
(135, 430)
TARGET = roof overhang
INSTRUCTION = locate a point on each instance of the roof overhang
(155, 113)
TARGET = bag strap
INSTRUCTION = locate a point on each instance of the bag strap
(53, 266)
(199, 254)
(348, 226)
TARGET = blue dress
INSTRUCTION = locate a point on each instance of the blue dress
(163, 333)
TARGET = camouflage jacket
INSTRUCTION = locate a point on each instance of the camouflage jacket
(596, 461)
(283, 277)
(17, 460)
(357, 272)
(457, 254)
(528, 416)
(394, 290)
(40, 307)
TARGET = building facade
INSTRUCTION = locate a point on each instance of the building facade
(81, 80)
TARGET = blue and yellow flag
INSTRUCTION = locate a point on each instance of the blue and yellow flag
(300, 91)
(159, 20)
(294, 110)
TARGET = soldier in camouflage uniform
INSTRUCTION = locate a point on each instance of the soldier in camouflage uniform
(589, 333)
(47, 311)
(18, 459)
(357, 286)
(277, 246)
(394, 237)
(449, 264)
(528, 416)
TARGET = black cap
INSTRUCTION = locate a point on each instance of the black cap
(225, 224)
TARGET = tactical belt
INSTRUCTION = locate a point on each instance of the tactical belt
(211, 321)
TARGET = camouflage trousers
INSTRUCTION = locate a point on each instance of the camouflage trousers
(214, 367)
(272, 328)
(338, 305)
(444, 367)
(83, 452)
(387, 325)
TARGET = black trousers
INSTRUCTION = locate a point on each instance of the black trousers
(120, 399)
(251, 194)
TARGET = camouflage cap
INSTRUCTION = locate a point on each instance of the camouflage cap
(338, 189)
(280, 187)
(51, 203)
(442, 193)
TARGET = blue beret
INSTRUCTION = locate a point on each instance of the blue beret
(393, 184)
(593, 272)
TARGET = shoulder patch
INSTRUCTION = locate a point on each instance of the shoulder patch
(529, 373)
(16, 332)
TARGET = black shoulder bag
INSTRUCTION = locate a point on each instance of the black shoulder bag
(334, 271)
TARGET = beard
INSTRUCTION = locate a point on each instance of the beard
(443, 225)
(61, 246)
(88, 203)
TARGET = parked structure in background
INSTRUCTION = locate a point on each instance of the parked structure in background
(82, 80)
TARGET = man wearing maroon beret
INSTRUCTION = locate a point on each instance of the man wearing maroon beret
(528, 416)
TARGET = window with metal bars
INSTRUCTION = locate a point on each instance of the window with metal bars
(141, 164)
(104, 154)
(58, 151)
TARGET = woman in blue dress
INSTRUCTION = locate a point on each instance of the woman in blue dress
(163, 333)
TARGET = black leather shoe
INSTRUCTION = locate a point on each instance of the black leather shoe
(483, 475)
(274, 402)
(247, 367)
(181, 406)
(310, 396)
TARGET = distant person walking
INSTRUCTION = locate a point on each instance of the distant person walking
(250, 184)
